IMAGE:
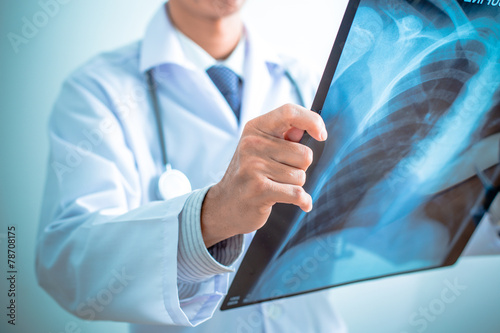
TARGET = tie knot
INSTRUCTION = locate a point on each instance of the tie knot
(229, 84)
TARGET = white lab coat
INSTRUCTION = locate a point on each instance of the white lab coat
(106, 249)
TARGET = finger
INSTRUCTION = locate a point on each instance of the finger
(289, 194)
(294, 134)
(285, 152)
(285, 174)
(292, 154)
(281, 120)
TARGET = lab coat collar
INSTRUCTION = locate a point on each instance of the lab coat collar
(262, 66)
(262, 50)
(161, 45)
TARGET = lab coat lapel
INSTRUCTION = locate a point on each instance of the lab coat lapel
(203, 100)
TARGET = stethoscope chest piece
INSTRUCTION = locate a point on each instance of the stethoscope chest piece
(173, 183)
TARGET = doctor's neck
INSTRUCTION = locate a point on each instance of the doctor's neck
(216, 28)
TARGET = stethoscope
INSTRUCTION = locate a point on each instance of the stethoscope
(173, 183)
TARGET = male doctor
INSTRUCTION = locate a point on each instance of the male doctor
(108, 248)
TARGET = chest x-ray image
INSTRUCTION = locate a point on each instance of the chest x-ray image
(412, 107)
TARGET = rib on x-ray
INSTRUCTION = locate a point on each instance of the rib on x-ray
(406, 102)
(413, 115)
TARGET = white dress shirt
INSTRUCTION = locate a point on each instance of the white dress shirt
(203, 61)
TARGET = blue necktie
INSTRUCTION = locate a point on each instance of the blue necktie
(229, 84)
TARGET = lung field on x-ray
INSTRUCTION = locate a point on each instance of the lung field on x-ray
(411, 93)
(413, 114)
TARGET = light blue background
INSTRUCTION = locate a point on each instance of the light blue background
(29, 83)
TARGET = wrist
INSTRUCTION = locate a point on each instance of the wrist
(214, 217)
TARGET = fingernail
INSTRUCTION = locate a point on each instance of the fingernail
(324, 135)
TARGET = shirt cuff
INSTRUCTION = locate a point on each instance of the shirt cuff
(194, 262)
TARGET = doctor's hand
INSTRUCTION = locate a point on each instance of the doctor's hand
(269, 166)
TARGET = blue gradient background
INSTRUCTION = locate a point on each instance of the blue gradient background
(30, 81)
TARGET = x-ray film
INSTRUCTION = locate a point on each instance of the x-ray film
(411, 100)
